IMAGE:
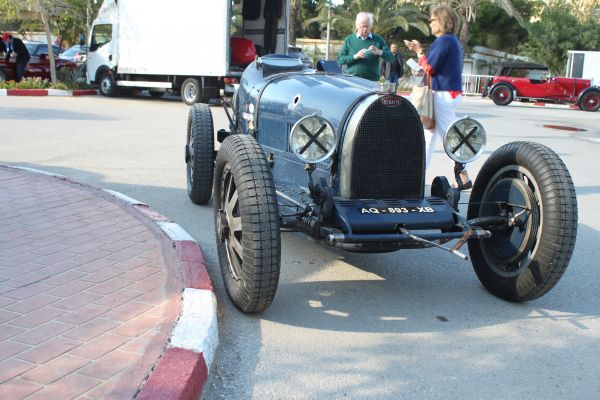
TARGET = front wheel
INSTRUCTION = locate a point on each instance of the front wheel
(528, 184)
(247, 224)
(590, 101)
(107, 84)
(502, 95)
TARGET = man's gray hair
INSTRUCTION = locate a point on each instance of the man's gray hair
(363, 14)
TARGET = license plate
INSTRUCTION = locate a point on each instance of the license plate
(395, 210)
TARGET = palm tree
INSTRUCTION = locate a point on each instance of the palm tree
(388, 15)
(467, 10)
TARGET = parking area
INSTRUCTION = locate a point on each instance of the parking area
(413, 324)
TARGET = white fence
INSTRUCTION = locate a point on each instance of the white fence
(475, 84)
(472, 85)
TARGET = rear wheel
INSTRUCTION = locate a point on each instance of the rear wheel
(529, 184)
(246, 224)
(502, 95)
(199, 154)
(191, 92)
(590, 101)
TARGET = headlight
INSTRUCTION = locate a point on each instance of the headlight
(465, 140)
(313, 139)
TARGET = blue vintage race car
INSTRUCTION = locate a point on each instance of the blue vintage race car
(343, 160)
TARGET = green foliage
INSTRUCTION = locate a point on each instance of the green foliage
(495, 29)
(26, 83)
(315, 54)
(389, 17)
(558, 31)
(67, 18)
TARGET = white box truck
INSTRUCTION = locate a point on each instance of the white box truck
(584, 64)
(181, 46)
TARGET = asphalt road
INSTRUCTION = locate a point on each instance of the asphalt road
(414, 324)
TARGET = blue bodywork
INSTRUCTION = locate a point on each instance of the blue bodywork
(320, 199)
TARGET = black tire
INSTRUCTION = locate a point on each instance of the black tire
(523, 263)
(2, 76)
(107, 84)
(156, 94)
(502, 95)
(191, 91)
(590, 101)
(199, 154)
(246, 224)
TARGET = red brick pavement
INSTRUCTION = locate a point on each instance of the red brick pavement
(89, 291)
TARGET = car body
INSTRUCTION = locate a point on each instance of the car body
(533, 82)
(76, 54)
(38, 65)
(296, 52)
(341, 160)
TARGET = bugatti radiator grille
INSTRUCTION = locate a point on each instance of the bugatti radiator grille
(388, 153)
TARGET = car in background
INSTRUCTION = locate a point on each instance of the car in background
(39, 64)
(76, 54)
(533, 82)
(296, 52)
(41, 48)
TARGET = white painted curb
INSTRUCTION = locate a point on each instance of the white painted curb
(37, 171)
(197, 329)
(125, 198)
(175, 231)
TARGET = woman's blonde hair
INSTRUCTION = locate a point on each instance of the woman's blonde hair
(447, 18)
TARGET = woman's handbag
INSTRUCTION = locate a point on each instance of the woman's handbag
(422, 98)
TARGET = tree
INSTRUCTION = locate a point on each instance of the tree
(467, 11)
(56, 16)
(556, 32)
(495, 29)
(388, 16)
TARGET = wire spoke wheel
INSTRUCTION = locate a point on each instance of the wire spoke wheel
(502, 95)
(246, 223)
(590, 101)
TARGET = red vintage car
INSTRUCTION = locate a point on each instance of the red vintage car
(39, 64)
(528, 81)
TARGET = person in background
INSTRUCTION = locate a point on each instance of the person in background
(362, 51)
(392, 71)
(2, 45)
(16, 45)
(443, 63)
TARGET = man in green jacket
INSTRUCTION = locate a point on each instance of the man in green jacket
(362, 50)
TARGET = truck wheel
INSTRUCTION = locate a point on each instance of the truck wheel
(156, 94)
(246, 224)
(107, 84)
(502, 95)
(525, 261)
(590, 101)
(191, 91)
(199, 154)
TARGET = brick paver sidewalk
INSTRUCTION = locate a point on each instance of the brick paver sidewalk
(89, 291)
